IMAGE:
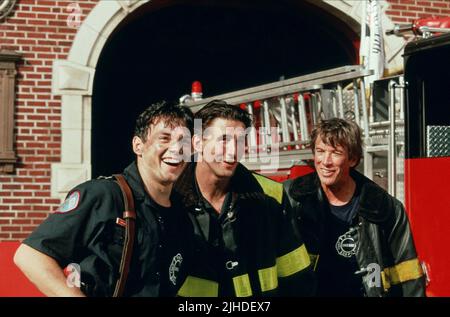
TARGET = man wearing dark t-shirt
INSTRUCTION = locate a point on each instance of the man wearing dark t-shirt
(358, 236)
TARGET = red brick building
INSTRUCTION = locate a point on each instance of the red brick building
(83, 66)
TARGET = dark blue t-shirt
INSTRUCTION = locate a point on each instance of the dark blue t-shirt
(337, 263)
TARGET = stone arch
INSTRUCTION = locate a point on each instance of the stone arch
(73, 79)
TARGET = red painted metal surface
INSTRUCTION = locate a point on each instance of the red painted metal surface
(427, 199)
(278, 178)
(294, 172)
(12, 281)
(300, 170)
(432, 22)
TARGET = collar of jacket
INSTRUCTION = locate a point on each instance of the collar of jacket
(185, 186)
(134, 179)
(374, 203)
(242, 183)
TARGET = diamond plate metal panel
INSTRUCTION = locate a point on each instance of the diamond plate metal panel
(438, 141)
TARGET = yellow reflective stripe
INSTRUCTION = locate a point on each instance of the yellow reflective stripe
(404, 271)
(242, 286)
(268, 278)
(293, 262)
(314, 260)
(385, 280)
(270, 187)
(198, 287)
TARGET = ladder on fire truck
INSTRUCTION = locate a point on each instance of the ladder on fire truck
(285, 112)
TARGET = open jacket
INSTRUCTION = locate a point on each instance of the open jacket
(385, 250)
(252, 248)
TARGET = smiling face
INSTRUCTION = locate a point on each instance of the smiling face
(222, 146)
(332, 164)
(163, 154)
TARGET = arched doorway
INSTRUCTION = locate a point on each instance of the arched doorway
(73, 78)
(158, 50)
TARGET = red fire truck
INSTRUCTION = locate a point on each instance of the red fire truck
(406, 125)
(427, 155)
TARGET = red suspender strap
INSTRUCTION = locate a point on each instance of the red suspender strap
(129, 215)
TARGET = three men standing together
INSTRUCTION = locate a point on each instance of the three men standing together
(213, 228)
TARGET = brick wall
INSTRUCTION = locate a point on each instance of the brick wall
(405, 11)
(38, 29)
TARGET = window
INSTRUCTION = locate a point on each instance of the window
(7, 83)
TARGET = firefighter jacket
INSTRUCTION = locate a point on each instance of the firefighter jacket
(85, 231)
(251, 248)
(385, 249)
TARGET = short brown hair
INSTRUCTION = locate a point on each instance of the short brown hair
(172, 113)
(220, 109)
(341, 132)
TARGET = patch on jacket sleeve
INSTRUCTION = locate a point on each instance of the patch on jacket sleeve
(70, 203)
